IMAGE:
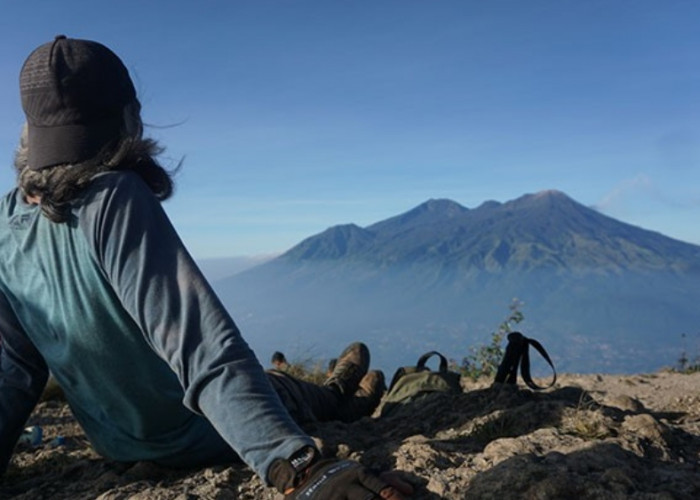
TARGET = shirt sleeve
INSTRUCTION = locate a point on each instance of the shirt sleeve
(23, 376)
(184, 322)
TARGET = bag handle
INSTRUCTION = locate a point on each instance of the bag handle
(420, 366)
(424, 358)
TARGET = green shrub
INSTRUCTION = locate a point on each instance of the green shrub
(483, 360)
(309, 370)
(684, 365)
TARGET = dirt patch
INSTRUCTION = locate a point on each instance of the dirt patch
(589, 437)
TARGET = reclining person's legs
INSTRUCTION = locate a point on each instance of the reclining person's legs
(349, 393)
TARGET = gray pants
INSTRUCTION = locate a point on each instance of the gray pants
(309, 402)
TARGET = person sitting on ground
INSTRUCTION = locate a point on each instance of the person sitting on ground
(279, 361)
(97, 288)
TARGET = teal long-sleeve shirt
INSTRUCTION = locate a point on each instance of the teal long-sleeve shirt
(113, 306)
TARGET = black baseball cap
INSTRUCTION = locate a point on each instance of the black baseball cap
(73, 95)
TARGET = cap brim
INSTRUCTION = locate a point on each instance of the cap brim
(67, 144)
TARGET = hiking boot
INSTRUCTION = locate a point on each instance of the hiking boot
(352, 365)
(366, 399)
(373, 387)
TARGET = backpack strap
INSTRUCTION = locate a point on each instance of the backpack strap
(525, 365)
(400, 372)
(424, 359)
(508, 369)
(420, 366)
(517, 353)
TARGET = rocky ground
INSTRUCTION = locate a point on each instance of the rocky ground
(589, 437)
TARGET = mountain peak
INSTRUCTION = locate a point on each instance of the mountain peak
(442, 206)
(549, 193)
(335, 242)
(489, 205)
(548, 202)
(544, 229)
(545, 196)
(433, 211)
(606, 284)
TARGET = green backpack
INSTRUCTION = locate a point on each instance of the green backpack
(411, 383)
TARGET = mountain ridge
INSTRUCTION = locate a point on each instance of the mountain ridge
(442, 275)
(533, 219)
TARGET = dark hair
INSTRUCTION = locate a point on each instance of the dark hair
(60, 186)
(278, 357)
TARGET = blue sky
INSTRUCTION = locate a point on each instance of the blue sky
(294, 116)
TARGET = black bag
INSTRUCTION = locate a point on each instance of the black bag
(517, 353)
(414, 382)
